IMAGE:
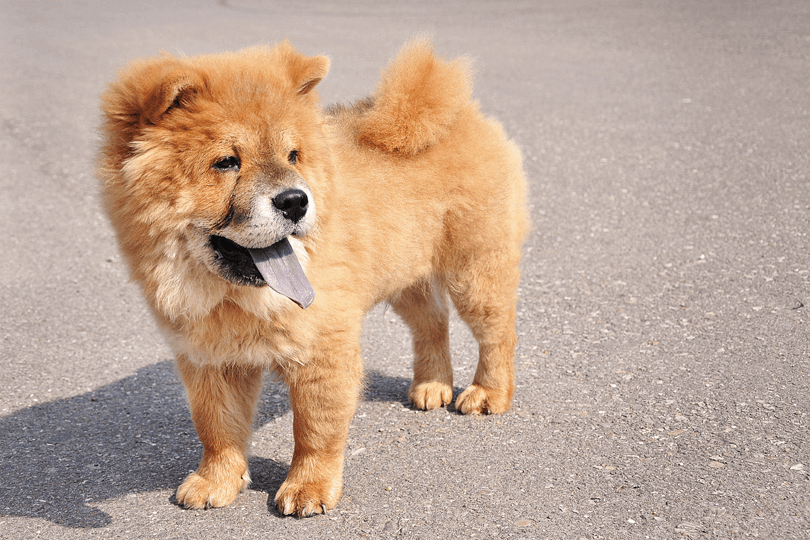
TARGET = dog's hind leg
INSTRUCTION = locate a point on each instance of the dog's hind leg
(423, 307)
(484, 293)
(223, 401)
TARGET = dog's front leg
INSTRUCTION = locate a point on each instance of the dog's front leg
(323, 395)
(222, 400)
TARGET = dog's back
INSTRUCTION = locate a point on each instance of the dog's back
(441, 182)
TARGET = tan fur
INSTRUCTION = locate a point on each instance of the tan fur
(419, 199)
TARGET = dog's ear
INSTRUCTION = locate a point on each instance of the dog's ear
(145, 90)
(304, 72)
(312, 74)
(174, 89)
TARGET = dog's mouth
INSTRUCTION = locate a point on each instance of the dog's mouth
(235, 262)
(275, 265)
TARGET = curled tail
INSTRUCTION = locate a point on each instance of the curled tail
(416, 100)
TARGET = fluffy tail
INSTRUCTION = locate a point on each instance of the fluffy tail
(416, 101)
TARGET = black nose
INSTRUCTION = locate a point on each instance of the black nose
(292, 203)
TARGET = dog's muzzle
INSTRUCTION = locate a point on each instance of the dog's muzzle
(252, 247)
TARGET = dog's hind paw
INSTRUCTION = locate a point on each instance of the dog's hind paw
(479, 400)
(430, 395)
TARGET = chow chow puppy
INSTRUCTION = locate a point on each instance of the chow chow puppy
(261, 229)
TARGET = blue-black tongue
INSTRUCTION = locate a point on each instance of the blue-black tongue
(281, 270)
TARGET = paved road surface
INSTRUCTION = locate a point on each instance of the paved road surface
(663, 362)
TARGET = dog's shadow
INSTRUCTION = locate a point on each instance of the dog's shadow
(131, 436)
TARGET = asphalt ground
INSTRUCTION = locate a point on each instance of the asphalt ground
(663, 362)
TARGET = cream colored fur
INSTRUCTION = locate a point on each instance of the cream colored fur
(420, 201)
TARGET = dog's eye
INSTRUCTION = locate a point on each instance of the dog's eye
(230, 163)
(293, 157)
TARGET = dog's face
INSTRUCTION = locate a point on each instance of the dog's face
(249, 191)
(217, 153)
(269, 200)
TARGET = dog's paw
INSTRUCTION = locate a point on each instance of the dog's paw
(307, 499)
(197, 491)
(479, 400)
(430, 395)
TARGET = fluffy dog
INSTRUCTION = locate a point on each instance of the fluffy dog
(238, 202)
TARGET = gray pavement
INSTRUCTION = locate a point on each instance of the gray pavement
(663, 362)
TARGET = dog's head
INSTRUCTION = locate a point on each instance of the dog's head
(208, 157)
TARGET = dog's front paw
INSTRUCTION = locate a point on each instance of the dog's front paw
(196, 491)
(430, 395)
(307, 499)
(479, 400)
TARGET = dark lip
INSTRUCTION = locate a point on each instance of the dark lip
(235, 263)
